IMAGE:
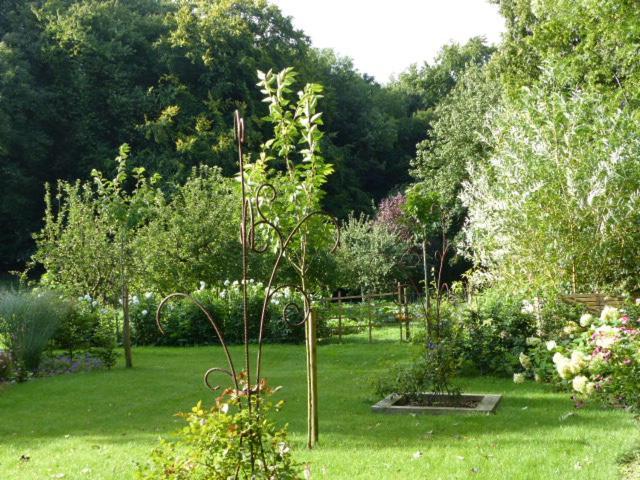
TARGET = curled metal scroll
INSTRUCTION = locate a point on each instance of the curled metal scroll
(232, 371)
(291, 305)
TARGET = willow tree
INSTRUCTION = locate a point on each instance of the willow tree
(558, 203)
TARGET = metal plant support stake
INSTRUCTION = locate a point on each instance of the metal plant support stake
(247, 384)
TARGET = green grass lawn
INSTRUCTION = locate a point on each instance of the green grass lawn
(98, 425)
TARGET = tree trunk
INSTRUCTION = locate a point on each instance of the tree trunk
(126, 327)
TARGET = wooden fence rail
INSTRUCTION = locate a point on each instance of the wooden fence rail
(594, 302)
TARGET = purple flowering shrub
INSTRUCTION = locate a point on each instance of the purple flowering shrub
(60, 364)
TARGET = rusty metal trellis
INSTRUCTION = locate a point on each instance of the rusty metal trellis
(253, 218)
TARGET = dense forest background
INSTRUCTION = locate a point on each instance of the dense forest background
(78, 78)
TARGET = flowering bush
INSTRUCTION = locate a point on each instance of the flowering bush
(184, 323)
(596, 357)
(61, 364)
(219, 443)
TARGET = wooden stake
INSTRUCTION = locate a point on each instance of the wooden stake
(339, 316)
(312, 381)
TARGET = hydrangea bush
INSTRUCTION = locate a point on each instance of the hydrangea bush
(184, 323)
(597, 357)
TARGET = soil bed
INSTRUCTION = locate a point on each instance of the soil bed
(432, 404)
(458, 401)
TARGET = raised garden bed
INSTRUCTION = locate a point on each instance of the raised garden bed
(439, 404)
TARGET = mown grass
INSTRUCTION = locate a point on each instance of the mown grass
(99, 425)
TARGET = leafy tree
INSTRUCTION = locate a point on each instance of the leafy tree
(557, 204)
(88, 244)
(286, 182)
(589, 42)
(372, 256)
(193, 237)
(458, 138)
(426, 86)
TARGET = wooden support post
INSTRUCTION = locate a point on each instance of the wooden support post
(369, 315)
(312, 380)
(406, 314)
(400, 309)
(339, 316)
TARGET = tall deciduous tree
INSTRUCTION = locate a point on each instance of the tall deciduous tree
(557, 205)
(88, 242)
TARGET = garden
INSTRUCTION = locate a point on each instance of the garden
(226, 298)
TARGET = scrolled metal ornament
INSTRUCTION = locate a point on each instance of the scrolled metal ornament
(253, 219)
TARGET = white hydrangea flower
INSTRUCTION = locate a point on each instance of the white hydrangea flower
(586, 320)
(589, 388)
(227, 283)
(148, 295)
(135, 300)
(525, 361)
(578, 361)
(533, 341)
(563, 365)
(551, 345)
(203, 285)
(605, 336)
(144, 313)
(570, 328)
(223, 294)
(579, 383)
(609, 314)
(528, 307)
(518, 378)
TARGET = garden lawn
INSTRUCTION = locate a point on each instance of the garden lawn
(99, 425)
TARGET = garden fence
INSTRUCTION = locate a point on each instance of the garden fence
(371, 315)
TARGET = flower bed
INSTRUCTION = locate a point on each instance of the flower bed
(597, 357)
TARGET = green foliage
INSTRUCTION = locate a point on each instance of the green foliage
(596, 357)
(591, 44)
(75, 331)
(556, 206)
(425, 87)
(371, 256)
(6, 366)
(457, 139)
(28, 320)
(193, 236)
(495, 331)
(165, 76)
(432, 372)
(292, 162)
(184, 324)
(219, 443)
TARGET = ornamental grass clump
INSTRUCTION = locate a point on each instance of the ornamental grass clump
(28, 321)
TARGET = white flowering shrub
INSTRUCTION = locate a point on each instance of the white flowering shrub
(185, 324)
(597, 357)
(557, 205)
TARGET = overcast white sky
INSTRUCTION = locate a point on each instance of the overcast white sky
(384, 37)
